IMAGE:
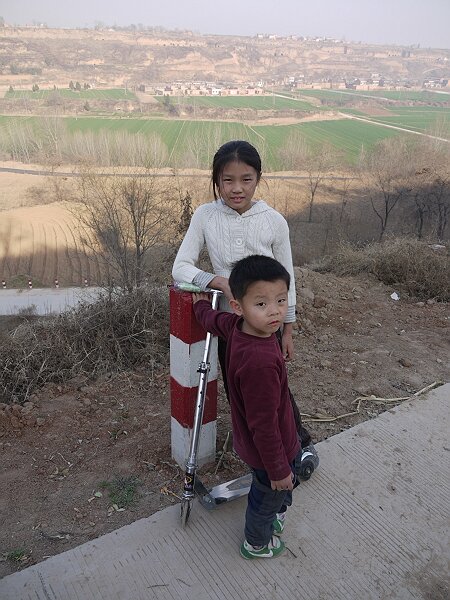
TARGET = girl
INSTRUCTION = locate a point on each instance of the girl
(234, 226)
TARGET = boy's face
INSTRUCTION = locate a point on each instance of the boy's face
(263, 307)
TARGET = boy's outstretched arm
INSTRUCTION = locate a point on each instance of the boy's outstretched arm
(216, 322)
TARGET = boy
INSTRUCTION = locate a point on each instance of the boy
(264, 431)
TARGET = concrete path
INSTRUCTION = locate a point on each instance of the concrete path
(45, 301)
(371, 524)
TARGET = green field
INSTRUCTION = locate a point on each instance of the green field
(91, 94)
(423, 119)
(407, 95)
(251, 102)
(401, 96)
(186, 142)
(432, 121)
(181, 137)
(347, 136)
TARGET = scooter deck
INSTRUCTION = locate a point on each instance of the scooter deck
(225, 492)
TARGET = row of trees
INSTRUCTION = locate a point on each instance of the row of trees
(77, 86)
(398, 173)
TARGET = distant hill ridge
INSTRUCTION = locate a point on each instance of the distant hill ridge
(109, 57)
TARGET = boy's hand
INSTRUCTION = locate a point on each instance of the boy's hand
(283, 484)
(200, 296)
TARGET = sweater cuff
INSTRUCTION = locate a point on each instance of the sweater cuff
(290, 315)
(202, 279)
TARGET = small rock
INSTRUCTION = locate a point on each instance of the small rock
(431, 301)
(306, 294)
(420, 303)
(325, 364)
(40, 421)
(320, 302)
(16, 410)
(405, 362)
(15, 423)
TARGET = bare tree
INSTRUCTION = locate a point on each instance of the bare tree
(126, 217)
(440, 193)
(386, 172)
(317, 161)
(344, 195)
(431, 184)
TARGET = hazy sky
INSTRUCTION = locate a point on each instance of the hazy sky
(404, 22)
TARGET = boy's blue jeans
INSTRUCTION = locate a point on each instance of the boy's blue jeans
(262, 506)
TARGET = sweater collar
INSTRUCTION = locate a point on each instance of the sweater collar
(258, 207)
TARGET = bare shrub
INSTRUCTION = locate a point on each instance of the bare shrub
(126, 217)
(117, 333)
(410, 264)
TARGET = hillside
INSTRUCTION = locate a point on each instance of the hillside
(114, 58)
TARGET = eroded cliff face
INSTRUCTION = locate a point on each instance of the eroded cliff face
(109, 57)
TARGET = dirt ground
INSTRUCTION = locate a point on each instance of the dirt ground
(61, 450)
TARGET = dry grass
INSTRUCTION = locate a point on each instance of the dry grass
(411, 265)
(119, 332)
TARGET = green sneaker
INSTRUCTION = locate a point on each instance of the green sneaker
(271, 550)
(278, 524)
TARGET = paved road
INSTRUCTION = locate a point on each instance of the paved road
(44, 301)
(371, 524)
(204, 175)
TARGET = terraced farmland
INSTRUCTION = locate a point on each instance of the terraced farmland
(191, 143)
(44, 243)
(90, 94)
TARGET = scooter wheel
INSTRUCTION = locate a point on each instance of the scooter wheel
(185, 512)
(306, 469)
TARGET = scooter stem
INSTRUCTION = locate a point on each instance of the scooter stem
(203, 369)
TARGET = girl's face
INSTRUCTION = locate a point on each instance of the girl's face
(237, 185)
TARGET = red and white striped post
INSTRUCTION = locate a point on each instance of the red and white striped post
(187, 344)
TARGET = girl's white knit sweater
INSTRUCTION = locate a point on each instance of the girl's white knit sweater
(229, 237)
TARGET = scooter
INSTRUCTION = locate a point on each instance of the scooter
(225, 492)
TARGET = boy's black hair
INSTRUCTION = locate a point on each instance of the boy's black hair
(234, 151)
(255, 268)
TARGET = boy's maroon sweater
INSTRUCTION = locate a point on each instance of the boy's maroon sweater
(264, 433)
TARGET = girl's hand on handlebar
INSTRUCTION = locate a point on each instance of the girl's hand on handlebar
(221, 283)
